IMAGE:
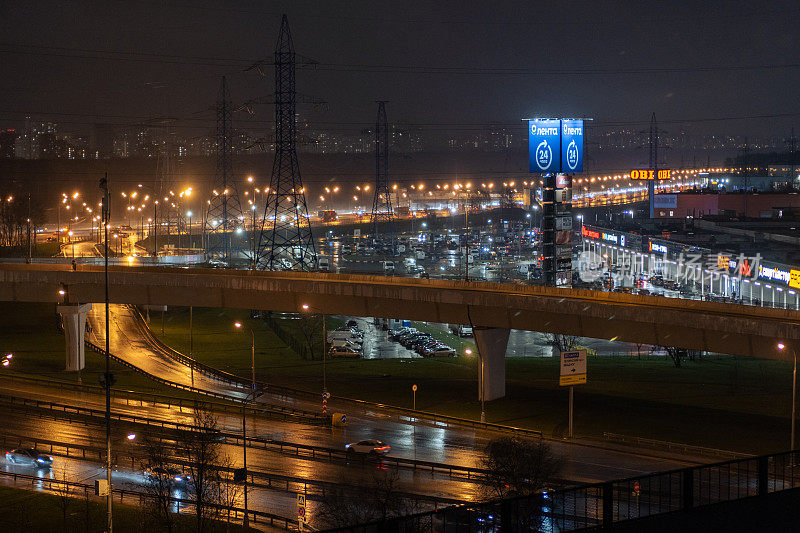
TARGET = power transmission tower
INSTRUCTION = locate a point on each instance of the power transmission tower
(792, 176)
(651, 184)
(382, 202)
(288, 243)
(165, 172)
(224, 212)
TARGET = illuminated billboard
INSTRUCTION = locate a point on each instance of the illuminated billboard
(571, 145)
(649, 174)
(544, 145)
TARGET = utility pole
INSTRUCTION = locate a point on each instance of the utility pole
(224, 210)
(106, 217)
(382, 202)
(30, 242)
(792, 177)
(289, 242)
(651, 183)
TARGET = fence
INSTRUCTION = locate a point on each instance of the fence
(290, 340)
(686, 449)
(135, 459)
(314, 452)
(75, 489)
(601, 505)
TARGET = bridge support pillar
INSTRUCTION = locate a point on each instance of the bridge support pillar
(74, 320)
(492, 344)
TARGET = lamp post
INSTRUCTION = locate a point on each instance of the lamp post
(189, 216)
(307, 307)
(239, 325)
(106, 216)
(781, 347)
(251, 397)
(468, 351)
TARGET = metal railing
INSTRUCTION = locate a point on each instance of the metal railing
(164, 400)
(136, 459)
(309, 451)
(687, 449)
(600, 505)
(76, 489)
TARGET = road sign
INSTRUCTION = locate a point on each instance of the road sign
(326, 395)
(636, 488)
(573, 368)
(301, 507)
(414, 388)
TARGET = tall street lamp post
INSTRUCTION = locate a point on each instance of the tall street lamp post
(307, 307)
(106, 216)
(781, 347)
(239, 325)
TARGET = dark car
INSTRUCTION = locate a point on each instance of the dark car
(30, 457)
(167, 474)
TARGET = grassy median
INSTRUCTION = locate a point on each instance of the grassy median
(719, 401)
(40, 511)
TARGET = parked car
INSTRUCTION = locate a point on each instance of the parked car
(397, 333)
(440, 350)
(371, 446)
(30, 457)
(343, 351)
(410, 340)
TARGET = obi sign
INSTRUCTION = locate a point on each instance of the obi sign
(555, 145)
(650, 175)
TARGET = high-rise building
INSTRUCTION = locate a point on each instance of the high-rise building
(8, 139)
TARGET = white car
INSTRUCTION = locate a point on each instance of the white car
(368, 446)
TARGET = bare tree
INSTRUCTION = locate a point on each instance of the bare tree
(310, 325)
(159, 485)
(675, 354)
(518, 467)
(563, 343)
(229, 495)
(201, 449)
(61, 489)
(374, 498)
(639, 350)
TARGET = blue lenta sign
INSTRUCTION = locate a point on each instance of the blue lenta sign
(555, 145)
(544, 145)
(571, 145)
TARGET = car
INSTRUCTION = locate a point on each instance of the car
(410, 340)
(343, 351)
(166, 474)
(30, 457)
(396, 334)
(371, 446)
(440, 350)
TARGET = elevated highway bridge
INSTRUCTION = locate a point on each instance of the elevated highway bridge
(493, 309)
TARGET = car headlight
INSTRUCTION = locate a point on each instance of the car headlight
(178, 478)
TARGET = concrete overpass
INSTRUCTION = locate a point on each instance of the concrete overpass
(492, 308)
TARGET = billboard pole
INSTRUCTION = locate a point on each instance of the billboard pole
(651, 183)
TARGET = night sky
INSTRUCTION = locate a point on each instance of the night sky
(445, 64)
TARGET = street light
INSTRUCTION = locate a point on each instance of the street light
(239, 325)
(307, 307)
(251, 397)
(781, 347)
(468, 351)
